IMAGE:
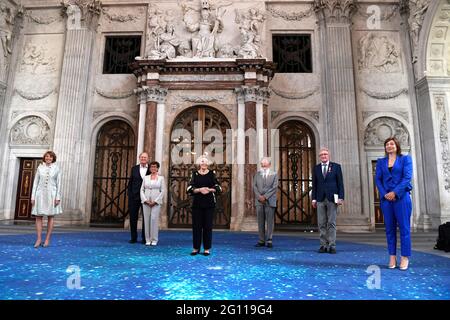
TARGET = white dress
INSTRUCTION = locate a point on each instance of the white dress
(46, 189)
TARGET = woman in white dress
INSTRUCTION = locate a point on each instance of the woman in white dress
(46, 196)
(152, 194)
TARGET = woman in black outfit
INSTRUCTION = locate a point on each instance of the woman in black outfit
(203, 187)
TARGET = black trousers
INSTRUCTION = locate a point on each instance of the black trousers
(202, 224)
(135, 206)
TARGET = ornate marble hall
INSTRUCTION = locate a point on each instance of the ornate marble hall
(99, 82)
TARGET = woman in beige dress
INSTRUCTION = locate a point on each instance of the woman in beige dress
(46, 196)
(152, 194)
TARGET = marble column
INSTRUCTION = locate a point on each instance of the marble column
(72, 104)
(239, 203)
(251, 149)
(142, 97)
(150, 129)
(340, 102)
(159, 96)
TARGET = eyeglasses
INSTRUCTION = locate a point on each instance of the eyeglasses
(323, 154)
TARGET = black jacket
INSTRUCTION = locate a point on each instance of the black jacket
(135, 183)
(199, 181)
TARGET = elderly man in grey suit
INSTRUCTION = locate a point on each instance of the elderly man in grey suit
(265, 184)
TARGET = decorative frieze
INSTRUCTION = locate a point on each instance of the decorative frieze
(384, 95)
(289, 16)
(35, 96)
(31, 130)
(123, 18)
(42, 20)
(295, 95)
(443, 138)
(114, 94)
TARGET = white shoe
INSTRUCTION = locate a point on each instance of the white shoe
(147, 243)
(154, 243)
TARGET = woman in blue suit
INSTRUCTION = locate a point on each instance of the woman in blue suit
(393, 179)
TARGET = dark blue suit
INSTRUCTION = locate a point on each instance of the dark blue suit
(398, 211)
(327, 187)
(323, 191)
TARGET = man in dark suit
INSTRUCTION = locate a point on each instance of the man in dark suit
(138, 172)
(327, 195)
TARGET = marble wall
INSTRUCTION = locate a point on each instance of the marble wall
(374, 46)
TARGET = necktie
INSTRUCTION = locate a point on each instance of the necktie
(324, 170)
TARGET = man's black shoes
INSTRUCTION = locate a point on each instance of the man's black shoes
(323, 249)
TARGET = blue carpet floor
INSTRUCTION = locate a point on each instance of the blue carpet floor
(110, 268)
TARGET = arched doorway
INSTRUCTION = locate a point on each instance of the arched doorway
(297, 155)
(199, 119)
(114, 156)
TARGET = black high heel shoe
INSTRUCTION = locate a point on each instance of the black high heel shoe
(194, 253)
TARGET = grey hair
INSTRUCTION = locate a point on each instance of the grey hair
(200, 159)
(325, 149)
(266, 159)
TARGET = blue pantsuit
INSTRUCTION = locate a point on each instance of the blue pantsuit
(397, 212)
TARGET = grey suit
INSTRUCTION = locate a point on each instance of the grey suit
(266, 187)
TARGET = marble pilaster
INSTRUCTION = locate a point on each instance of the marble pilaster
(68, 143)
(342, 128)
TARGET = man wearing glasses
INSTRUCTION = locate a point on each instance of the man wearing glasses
(327, 195)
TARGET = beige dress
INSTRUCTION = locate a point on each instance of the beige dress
(46, 189)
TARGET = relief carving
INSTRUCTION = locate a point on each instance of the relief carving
(37, 59)
(417, 8)
(114, 94)
(35, 96)
(6, 29)
(122, 18)
(443, 138)
(379, 129)
(384, 95)
(250, 27)
(41, 20)
(378, 53)
(295, 95)
(31, 130)
(289, 16)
